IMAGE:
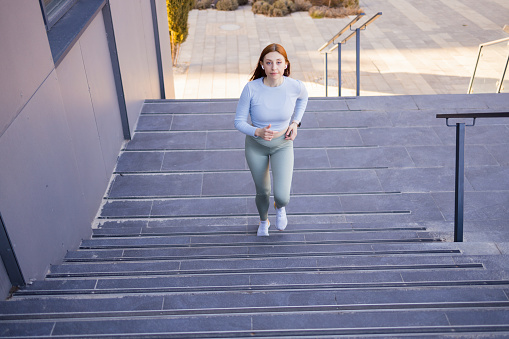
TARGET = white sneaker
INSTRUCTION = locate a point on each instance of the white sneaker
(281, 220)
(263, 229)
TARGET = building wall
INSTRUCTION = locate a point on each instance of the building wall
(60, 127)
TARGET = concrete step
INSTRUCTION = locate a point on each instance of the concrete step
(260, 265)
(105, 306)
(307, 324)
(252, 280)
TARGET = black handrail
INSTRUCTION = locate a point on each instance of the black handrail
(460, 162)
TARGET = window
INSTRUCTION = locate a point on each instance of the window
(53, 10)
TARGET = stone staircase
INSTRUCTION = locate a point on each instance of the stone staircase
(367, 252)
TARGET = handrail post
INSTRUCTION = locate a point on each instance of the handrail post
(459, 182)
(339, 69)
(325, 76)
(358, 61)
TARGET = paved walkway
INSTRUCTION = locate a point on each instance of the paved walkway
(416, 47)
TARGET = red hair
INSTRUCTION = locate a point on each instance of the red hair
(259, 72)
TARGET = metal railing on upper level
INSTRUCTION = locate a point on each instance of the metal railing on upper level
(490, 68)
(459, 189)
(337, 45)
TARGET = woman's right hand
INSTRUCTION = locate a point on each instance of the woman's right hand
(265, 133)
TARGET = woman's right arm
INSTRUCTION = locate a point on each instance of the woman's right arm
(242, 114)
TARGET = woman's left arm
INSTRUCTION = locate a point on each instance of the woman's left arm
(300, 108)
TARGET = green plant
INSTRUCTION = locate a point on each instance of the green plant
(243, 2)
(178, 13)
(227, 5)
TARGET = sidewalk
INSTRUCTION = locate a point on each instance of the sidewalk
(414, 48)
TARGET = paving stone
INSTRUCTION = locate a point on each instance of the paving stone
(166, 185)
(126, 208)
(416, 118)
(199, 207)
(223, 106)
(182, 240)
(189, 223)
(398, 136)
(122, 223)
(139, 161)
(445, 156)
(422, 206)
(478, 206)
(323, 104)
(454, 275)
(419, 179)
(162, 141)
(333, 137)
(383, 103)
(370, 157)
(177, 107)
(154, 325)
(225, 140)
(232, 183)
(500, 153)
(480, 135)
(488, 178)
(184, 281)
(15, 329)
(111, 232)
(154, 122)
(310, 158)
(316, 182)
(478, 317)
(124, 267)
(352, 119)
(108, 304)
(448, 101)
(351, 320)
(197, 122)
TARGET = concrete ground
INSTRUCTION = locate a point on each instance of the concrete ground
(415, 47)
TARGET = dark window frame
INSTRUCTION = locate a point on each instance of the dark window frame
(51, 18)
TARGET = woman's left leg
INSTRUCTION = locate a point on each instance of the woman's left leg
(281, 162)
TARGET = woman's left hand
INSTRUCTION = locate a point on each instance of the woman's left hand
(291, 132)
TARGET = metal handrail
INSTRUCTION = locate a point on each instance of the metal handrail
(343, 30)
(481, 46)
(459, 189)
(355, 32)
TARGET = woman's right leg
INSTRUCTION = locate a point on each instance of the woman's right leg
(257, 157)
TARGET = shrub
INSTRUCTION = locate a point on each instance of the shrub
(318, 12)
(261, 7)
(302, 5)
(243, 2)
(227, 5)
(282, 8)
(202, 4)
(275, 12)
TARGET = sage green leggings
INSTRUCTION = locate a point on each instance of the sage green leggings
(280, 153)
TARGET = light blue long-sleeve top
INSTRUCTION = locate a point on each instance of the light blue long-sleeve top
(266, 105)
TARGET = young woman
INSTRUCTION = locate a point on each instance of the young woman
(275, 105)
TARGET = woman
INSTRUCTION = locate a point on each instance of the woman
(275, 104)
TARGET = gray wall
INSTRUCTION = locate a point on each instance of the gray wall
(60, 128)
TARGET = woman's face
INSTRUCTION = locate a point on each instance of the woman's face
(274, 65)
